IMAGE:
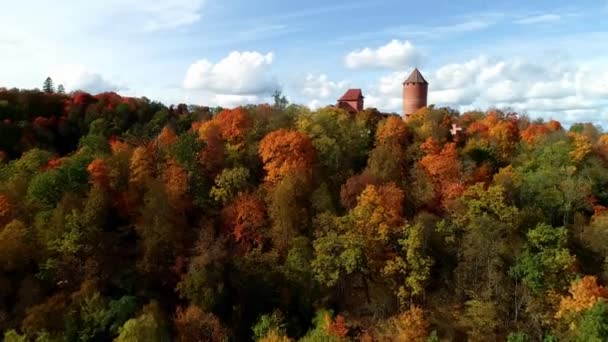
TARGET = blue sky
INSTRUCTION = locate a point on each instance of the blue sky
(546, 58)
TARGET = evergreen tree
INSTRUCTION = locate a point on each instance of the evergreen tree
(48, 86)
(60, 89)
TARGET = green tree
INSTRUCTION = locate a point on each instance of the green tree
(545, 260)
(146, 327)
(593, 324)
(48, 86)
(60, 89)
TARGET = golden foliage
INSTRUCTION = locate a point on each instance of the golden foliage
(584, 294)
(410, 326)
(379, 210)
(141, 167)
(284, 151)
(166, 137)
(581, 146)
(392, 131)
(176, 181)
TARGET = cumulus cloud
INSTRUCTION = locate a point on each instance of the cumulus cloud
(321, 87)
(240, 73)
(78, 77)
(542, 89)
(394, 55)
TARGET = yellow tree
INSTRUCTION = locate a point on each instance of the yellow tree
(141, 167)
(379, 211)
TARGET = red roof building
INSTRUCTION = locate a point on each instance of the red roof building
(351, 101)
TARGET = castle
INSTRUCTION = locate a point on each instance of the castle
(415, 92)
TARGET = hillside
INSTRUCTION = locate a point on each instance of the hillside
(123, 219)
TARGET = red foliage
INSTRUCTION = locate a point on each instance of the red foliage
(213, 154)
(337, 327)
(444, 169)
(117, 145)
(5, 210)
(109, 100)
(477, 128)
(40, 121)
(193, 324)
(234, 124)
(534, 132)
(554, 126)
(244, 219)
(98, 172)
(53, 164)
(82, 98)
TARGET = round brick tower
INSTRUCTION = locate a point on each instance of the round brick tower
(415, 91)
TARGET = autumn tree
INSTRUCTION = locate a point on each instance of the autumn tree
(15, 246)
(193, 324)
(411, 325)
(142, 167)
(98, 173)
(166, 137)
(387, 159)
(213, 154)
(379, 211)
(340, 141)
(444, 167)
(584, 294)
(284, 151)
(229, 183)
(354, 186)
(234, 125)
(244, 219)
(176, 182)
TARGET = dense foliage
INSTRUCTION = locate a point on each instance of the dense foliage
(122, 219)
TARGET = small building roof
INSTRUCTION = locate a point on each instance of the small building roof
(352, 95)
(415, 77)
(346, 106)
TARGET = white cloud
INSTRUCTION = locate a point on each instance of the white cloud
(320, 87)
(231, 101)
(565, 91)
(240, 73)
(78, 77)
(165, 14)
(539, 19)
(395, 55)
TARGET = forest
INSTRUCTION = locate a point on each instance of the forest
(122, 219)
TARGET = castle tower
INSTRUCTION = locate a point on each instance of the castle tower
(415, 91)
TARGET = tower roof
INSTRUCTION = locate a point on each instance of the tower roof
(352, 95)
(415, 77)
